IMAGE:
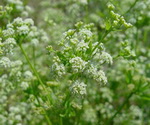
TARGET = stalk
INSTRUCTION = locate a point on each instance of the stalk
(120, 108)
(38, 77)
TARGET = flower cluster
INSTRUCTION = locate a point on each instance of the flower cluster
(19, 6)
(97, 75)
(79, 88)
(77, 64)
(17, 28)
(78, 52)
(5, 62)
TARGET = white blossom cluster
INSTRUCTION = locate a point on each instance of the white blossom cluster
(74, 57)
(58, 68)
(5, 62)
(105, 57)
(14, 81)
(97, 75)
(89, 115)
(8, 45)
(82, 46)
(106, 109)
(20, 7)
(134, 116)
(22, 26)
(77, 64)
(18, 30)
(79, 88)
(84, 2)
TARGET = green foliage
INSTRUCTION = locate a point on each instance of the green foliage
(74, 62)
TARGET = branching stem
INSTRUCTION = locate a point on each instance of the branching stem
(38, 77)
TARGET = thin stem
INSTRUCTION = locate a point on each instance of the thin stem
(121, 107)
(38, 77)
(32, 68)
(131, 7)
(61, 121)
(34, 56)
(102, 38)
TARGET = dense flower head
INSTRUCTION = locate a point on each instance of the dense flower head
(79, 88)
(8, 45)
(105, 57)
(8, 32)
(95, 72)
(23, 30)
(97, 75)
(77, 64)
(78, 53)
(5, 62)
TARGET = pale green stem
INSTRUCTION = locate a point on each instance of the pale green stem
(120, 108)
(38, 77)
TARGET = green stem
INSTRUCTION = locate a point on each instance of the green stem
(102, 38)
(121, 107)
(131, 7)
(32, 68)
(38, 77)
(61, 121)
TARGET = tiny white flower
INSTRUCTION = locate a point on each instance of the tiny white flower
(79, 88)
(18, 21)
(8, 32)
(29, 21)
(24, 85)
(78, 65)
(23, 30)
(82, 46)
(5, 62)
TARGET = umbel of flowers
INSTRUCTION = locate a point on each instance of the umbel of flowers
(80, 55)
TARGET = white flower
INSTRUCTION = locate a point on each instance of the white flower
(74, 41)
(9, 41)
(16, 63)
(9, 45)
(100, 77)
(17, 2)
(10, 25)
(79, 88)
(89, 115)
(24, 85)
(5, 62)
(70, 32)
(23, 30)
(35, 41)
(8, 32)
(82, 46)
(85, 33)
(78, 65)
(97, 75)
(59, 69)
(45, 38)
(28, 75)
(29, 21)
(83, 1)
(18, 117)
(24, 14)
(18, 21)
(106, 57)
